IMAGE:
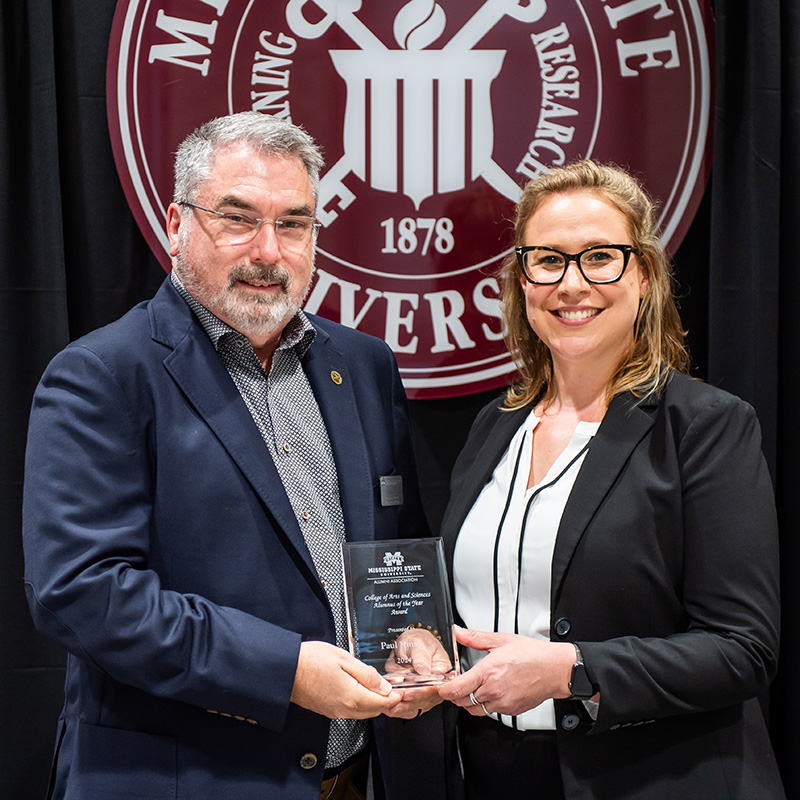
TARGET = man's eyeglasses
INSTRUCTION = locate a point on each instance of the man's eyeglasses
(603, 263)
(240, 227)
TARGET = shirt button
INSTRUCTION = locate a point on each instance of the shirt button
(305, 515)
(287, 448)
(308, 761)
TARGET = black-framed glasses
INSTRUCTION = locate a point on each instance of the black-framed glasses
(601, 263)
(239, 226)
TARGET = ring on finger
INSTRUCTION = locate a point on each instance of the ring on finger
(484, 709)
(473, 700)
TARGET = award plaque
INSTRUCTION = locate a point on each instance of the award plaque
(399, 615)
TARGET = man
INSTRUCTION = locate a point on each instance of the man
(192, 470)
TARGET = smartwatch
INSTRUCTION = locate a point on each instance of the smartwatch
(580, 687)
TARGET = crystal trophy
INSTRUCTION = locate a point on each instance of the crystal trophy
(399, 615)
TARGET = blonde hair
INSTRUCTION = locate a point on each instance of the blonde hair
(659, 338)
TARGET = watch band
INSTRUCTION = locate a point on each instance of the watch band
(580, 686)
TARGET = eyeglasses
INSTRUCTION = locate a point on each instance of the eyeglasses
(602, 263)
(240, 227)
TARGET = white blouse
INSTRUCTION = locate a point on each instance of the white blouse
(511, 532)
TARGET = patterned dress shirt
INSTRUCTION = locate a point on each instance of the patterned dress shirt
(287, 415)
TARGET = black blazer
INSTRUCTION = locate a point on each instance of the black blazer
(665, 571)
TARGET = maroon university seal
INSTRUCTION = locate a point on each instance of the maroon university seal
(431, 116)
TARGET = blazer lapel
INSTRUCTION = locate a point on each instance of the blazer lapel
(334, 390)
(487, 456)
(481, 460)
(198, 370)
(626, 422)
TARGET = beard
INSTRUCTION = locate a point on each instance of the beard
(251, 313)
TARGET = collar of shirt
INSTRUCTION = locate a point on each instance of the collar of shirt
(299, 333)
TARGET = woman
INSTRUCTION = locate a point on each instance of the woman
(611, 531)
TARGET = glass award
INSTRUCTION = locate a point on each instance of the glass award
(399, 615)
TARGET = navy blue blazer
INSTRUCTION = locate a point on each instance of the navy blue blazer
(665, 572)
(161, 550)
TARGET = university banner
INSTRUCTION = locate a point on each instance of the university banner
(422, 150)
(431, 114)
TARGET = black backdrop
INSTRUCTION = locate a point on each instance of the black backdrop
(71, 259)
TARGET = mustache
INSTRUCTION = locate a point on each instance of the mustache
(251, 274)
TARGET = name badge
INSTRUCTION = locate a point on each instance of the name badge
(392, 490)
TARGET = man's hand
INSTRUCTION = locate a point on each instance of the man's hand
(418, 652)
(415, 701)
(331, 682)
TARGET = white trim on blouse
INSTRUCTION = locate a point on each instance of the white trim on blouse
(487, 554)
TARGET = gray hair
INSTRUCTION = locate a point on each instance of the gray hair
(268, 135)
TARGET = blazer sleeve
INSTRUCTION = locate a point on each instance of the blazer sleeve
(87, 523)
(725, 645)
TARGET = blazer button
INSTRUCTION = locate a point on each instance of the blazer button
(563, 626)
(570, 721)
(308, 761)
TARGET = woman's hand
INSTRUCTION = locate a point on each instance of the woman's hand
(517, 674)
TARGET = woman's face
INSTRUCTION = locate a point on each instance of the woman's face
(583, 324)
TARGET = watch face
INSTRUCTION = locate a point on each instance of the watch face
(580, 685)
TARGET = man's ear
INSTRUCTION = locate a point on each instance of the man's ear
(174, 212)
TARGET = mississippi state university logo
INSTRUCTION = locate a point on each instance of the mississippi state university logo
(431, 116)
(395, 559)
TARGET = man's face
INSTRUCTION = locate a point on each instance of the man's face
(255, 286)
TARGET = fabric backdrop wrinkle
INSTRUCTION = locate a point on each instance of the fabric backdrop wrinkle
(72, 259)
(33, 316)
(746, 210)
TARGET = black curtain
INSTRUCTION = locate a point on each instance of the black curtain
(72, 259)
(744, 264)
(784, 383)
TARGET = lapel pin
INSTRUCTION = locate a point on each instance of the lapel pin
(336, 377)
